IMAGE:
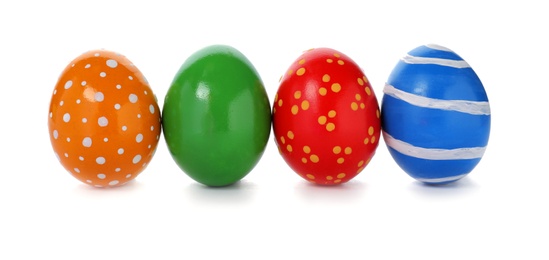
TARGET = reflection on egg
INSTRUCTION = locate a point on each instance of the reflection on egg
(104, 120)
(435, 115)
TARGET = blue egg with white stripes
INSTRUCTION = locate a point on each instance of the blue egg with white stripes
(435, 115)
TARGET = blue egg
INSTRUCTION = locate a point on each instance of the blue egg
(435, 115)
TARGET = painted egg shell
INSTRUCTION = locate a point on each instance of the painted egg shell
(104, 120)
(326, 118)
(435, 115)
(216, 116)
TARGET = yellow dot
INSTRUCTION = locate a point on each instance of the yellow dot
(336, 149)
(326, 78)
(329, 60)
(354, 106)
(305, 105)
(336, 87)
(301, 62)
(360, 81)
(337, 181)
(362, 106)
(359, 169)
(290, 134)
(283, 140)
(295, 109)
(300, 71)
(329, 178)
(276, 97)
(290, 72)
(280, 102)
(289, 148)
(309, 49)
(368, 91)
(314, 158)
(340, 160)
(310, 176)
(377, 113)
(371, 130)
(322, 91)
(365, 79)
(337, 55)
(306, 149)
(280, 79)
(360, 163)
(304, 160)
(332, 114)
(366, 140)
(373, 140)
(358, 97)
(297, 94)
(322, 120)
(348, 150)
(274, 109)
(341, 176)
(340, 62)
(330, 127)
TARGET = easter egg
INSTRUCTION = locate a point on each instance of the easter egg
(104, 120)
(216, 116)
(326, 118)
(435, 115)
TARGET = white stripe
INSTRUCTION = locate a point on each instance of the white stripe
(437, 47)
(439, 180)
(463, 106)
(433, 153)
(460, 64)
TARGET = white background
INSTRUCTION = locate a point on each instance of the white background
(499, 210)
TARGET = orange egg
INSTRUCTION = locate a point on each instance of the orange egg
(104, 120)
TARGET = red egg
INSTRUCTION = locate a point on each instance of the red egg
(326, 117)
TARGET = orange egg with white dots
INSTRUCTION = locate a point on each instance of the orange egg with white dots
(326, 117)
(104, 121)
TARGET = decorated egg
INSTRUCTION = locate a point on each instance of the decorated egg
(435, 115)
(216, 116)
(326, 118)
(104, 120)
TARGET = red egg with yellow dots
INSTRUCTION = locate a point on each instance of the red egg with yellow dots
(326, 117)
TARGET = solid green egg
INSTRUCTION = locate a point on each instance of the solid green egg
(216, 116)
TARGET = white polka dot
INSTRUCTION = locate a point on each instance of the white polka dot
(66, 117)
(128, 176)
(51, 114)
(55, 91)
(100, 160)
(77, 170)
(88, 181)
(87, 66)
(57, 156)
(121, 151)
(80, 158)
(117, 106)
(105, 139)
(130, 77)
(114, 182)
(138, 115)
(139, 138)
(117, 170)
(101, 176)
(151, 109)
(152, 128)
(124, 128)
(102, 74)
(133, 98)
(61, 103)
(118, 86)
(112, 63)
(68, 84)
(149, 146)
(99, 97)
(78, 101)
(84, 120)
(83, 83)
(102, 121)
(145, 92)
(136, 159)
(68, 139)
(55, 134)
(96, 55)
(87, 142)
(66, 155)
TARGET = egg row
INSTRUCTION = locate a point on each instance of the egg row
(105, 123)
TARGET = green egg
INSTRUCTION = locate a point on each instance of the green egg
(216, 116)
